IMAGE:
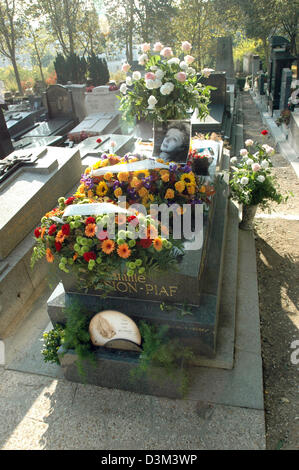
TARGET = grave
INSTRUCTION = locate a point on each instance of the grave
(40, 176)
(100, 99)
(5, 141)
(33, 142)
(61, 113)
(285, 90)
(198, 283)
(90, 148)
(280, 58)
(78, 94)
(224, 58)
(97, 124)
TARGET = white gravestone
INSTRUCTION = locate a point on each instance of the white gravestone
(100, 100)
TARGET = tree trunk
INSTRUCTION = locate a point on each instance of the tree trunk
(17, 75)
(131, 26)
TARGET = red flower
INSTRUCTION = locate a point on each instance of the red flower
(132, 219)
(58, 246)
(99, 141)
(52, 229)
(145, 242)
(66, 229)
(102, 235)
(70, 200)
(89, 255)
(90, 220)
(37, 232)
(264, 132)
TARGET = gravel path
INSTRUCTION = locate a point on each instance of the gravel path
(277, 250)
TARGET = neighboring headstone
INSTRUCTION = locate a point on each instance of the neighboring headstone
(60, 103)
(285, 91)
(256, 64)
(280, 58)
(32, 191)
(247, 63)
(78, 94)
(5, 142)
(101, 100)
(224, 58)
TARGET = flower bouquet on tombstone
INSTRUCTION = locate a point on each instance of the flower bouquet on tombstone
(94, 233)
(168, 89)
(252, 183)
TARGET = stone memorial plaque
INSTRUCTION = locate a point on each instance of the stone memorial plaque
(123, 344)
(98, 124)
(112, 325)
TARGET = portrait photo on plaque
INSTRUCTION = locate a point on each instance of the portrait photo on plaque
(172, 141)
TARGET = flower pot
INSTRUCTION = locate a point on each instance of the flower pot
(248, 215)
(172, 140)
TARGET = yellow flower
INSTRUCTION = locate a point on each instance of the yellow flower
(90, 193)
(141, 174)
(102, 188)
(180, 186)
(151, 197)
(81, 188)
(118, 192)
(143, 192)
(165, 177)
(169, 194)
(188, 178)
(87, 171)
(191, 189)
(108, 176)
(202, 189)
(157, 243)
(123, 176)
(135, 182)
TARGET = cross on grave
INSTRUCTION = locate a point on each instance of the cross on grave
(13, 162)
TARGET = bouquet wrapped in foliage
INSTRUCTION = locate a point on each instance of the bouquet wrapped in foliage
(168, 90)
(252, 182)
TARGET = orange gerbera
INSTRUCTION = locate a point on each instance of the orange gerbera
(49, 255)
(108, 246)
(124, 251)
(60, 237)
(90, 230)
(157, 243)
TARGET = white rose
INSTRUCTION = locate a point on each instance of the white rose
(261, 178)
(149, 84)
(249, 161)
(157, 83)
(206, 72)
(167, 88)
(265, 164)
(234, 160)
(174, 60)
(152, 101)
(268, 149)
(244, 180)
(136, 75)
(249, 143)
(123, 89)
(184, 65)
(191, 71)
(143, 59)
(154, 68)
(129, 81)
(159, 74)
(243, 152)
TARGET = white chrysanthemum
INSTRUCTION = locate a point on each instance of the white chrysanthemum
(123, 88)
(167, 88)
(244, 180)
(261, 178)
(152, 101)
(136, 75)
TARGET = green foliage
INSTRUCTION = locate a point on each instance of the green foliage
(98, 72)
(52, 342)
(39, 252)
(162, 358)
(76, 335)
(72, 68)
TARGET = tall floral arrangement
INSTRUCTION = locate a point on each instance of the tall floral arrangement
(168, 89)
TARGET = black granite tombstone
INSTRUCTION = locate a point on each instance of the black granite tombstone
(5, 142)
(280, 58)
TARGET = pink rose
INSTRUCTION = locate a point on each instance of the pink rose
(181, 76)
(186, 46)
(167, 52)
(125, 68)
(146, 47)
(150, 76)
(158, 47)
(256, 167)
(189, 59)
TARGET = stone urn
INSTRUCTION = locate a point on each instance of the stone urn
(248, 214)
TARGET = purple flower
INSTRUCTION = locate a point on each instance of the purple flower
(186, 169)
(173, 167)
(116, 184)
(87, 180)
